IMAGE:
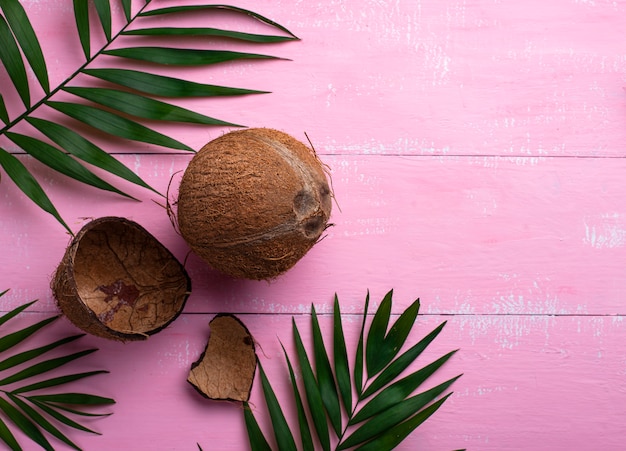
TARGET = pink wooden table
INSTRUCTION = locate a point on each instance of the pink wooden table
(478, 157)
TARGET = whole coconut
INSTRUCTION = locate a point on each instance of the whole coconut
(253, 202)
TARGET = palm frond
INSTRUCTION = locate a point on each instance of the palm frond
(25, 405)
(120, 109)
(386, 408)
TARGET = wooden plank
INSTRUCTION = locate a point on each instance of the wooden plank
(469, 235)
(416, 78)
(520, 374)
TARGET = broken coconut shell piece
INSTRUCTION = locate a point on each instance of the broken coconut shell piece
(117, 281)
(225, 370)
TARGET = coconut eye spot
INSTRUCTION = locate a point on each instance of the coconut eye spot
(313, 227)
(325, 197)
(303, 203)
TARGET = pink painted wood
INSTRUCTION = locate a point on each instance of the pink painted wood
(477, 155)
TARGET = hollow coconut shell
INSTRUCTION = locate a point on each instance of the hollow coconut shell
(253, 202)
(225, 370)
(117, 281)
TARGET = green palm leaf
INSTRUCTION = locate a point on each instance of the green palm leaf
(29, 186)
(62, 418)
(312, 391)
(200, 8)
(255, 435)
(53, 382)
(116, 125)
(84, 149)
(284, 437)
(81, 16)
(43, 367)
(163, 86)
(10, 340)
(39, 419)
(216, 32)
(143, 107)
(73, 399)
(4, 114)
(25, 356)
(127, 6)
(66, 408)
(395, 415)
(60, 161)
(7, 437)
(325, 377)
(27, 426)
(386, 419)
(25, 36)
(398, 391)
(12, 60)
(394, 436)
(305, 431)
(7, 316)
(342, 369)
(358, 359)
(401, 363)
(38, 415)
(103, 8)
(376, 348)
(182, 57)
(131, 94)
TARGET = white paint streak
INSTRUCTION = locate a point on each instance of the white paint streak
(483, 200)
(605, 231)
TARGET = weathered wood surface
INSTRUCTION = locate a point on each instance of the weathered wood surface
(477, 155)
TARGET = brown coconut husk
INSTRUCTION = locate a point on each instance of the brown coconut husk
(253, 202)
(225, 370)
(117, 281)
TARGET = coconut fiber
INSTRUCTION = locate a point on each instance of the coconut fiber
(253, 202)
(117, 281)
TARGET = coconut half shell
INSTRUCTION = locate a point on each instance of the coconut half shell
(117, 281)
(227, 366)
(253, 202)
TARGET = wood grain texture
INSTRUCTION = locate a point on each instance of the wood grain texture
(477, 151)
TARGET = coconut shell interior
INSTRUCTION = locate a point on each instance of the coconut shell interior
(226, 368)
(253, 202)
(117, 281)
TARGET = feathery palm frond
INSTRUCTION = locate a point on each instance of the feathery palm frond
(23, 401)
(385, 410)
(119, 108)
